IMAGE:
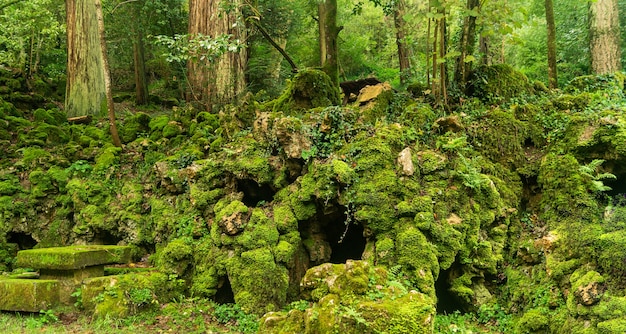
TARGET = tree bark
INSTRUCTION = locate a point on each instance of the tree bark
(604, 36)
(219, 81)
(85, 89)
(329, 33)
(141, 81)
(552, 71)
(404, 58)
(107, 77)
(466, 45)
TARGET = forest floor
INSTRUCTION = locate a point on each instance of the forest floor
(188, 316)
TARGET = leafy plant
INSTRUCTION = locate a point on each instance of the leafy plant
(590, 170)
(233, 314)
(47, 317)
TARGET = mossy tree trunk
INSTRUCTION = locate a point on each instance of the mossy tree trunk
(552, 72)
(85, 89)
(141, 82)
(439, 67)
(216, 81)
(464, 62)
(404, 52)
(328, 34)
(107, 76)
(604, 36)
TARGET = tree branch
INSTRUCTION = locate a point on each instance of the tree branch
(122, 3)
(263, 32)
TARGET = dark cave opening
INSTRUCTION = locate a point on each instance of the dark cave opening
(345, 238)
(105, 237)
(447, 302)
(253, 193)
(330, 237)
(618, 188)
(22, 240)
(224, 293)
(346, 242)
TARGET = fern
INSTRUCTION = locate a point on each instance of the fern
(590, 170)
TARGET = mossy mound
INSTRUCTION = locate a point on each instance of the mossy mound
(354, 298)
(308, 89)
(498, 83)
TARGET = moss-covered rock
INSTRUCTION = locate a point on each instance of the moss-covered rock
(354, 298)
(498, 83)
(308, 89)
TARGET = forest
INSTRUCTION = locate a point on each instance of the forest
(314, 166)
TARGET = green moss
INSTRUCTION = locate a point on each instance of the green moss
(611, 249)
(613, 326)
(28, 295)
(72, 257)
(123, 295)
(245, 273)
(134, 126)
(284, 218)
(308, 89)
(108, 157)
(533, 321)
(498, 83)
(415, 253)
(355, 298)
(176, 257)
(172, 129)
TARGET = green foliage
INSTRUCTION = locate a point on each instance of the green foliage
(236, 319)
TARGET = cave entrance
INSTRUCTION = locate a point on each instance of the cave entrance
(105, 237)
(447, 302)
(346, 242)
(330, 237)
(253, 193)
(22, 240)
(224, 293)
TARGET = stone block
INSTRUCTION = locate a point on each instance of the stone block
(29, 295)
(73, 257)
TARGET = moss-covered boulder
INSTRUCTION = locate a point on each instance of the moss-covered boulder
(498, 83)
(308, 89)
(354, 298)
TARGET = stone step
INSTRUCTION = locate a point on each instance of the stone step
(73, 257)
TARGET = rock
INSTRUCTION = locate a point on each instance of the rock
(449, 124)
(354, 298)
(369, 93)
(589, 294)
(404, 160)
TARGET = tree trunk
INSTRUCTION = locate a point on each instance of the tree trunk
(552, 73)
(141, 81)
(604, 36)
(404, 58)
(85, 89)
(329, 33)
(107, 76)
(219, 81)
(463, 67)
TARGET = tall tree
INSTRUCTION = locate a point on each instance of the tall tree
(552, 72)
(107, 75)
(604, 36)
(328, 36)
(467, 42)
(139, 60)
(216, 81)
(404, 57)
(85, 89)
